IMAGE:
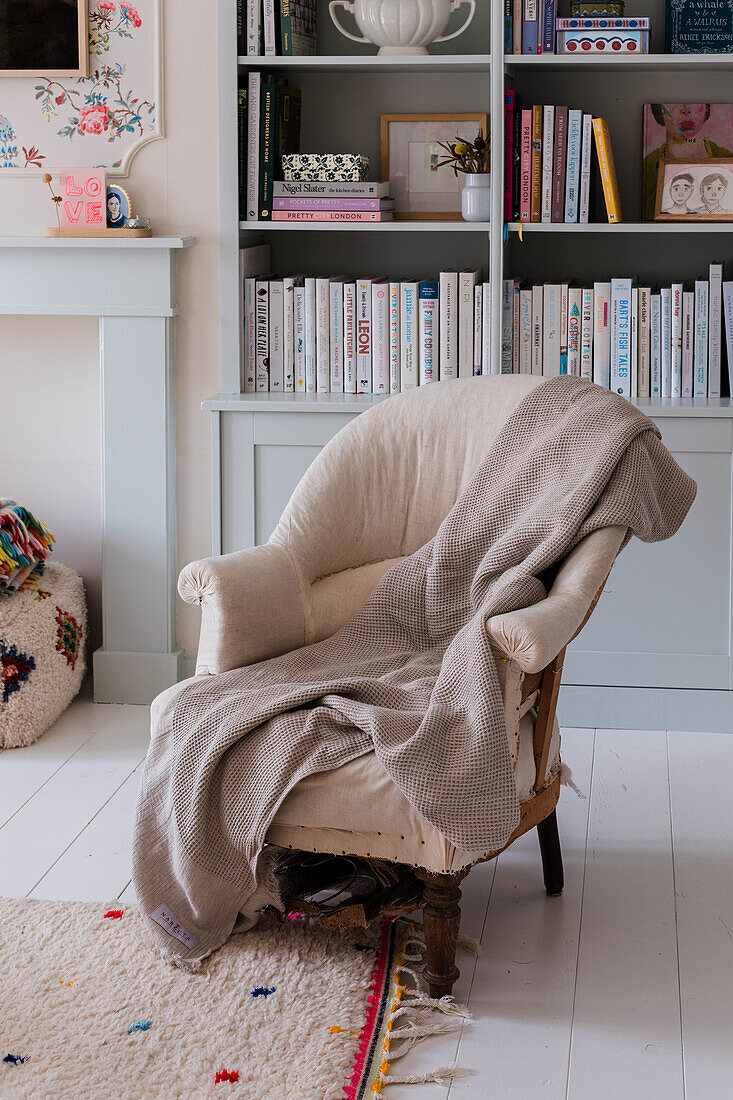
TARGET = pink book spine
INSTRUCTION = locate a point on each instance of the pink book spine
(688, 341)
(331, 216)
(525, 167)
(330, 203)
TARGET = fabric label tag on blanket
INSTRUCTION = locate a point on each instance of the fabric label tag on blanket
(168, 920)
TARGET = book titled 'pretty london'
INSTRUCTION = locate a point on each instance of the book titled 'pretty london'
(699, 26)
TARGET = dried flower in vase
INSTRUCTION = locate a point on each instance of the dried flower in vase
(471, 157)
(56, 199)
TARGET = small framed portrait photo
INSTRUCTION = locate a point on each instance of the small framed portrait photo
(695, 190)
(422, 189)
(119, 207)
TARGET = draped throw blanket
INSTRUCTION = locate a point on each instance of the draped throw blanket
(411, 676)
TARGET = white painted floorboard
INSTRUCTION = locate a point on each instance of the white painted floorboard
(621, 988)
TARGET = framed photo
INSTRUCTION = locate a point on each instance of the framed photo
(695, 191)
(119, 207)
(410, 154)
(46, 38)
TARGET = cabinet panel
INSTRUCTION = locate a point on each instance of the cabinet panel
(277, 470)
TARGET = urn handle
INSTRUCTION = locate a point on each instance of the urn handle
(455, 5)
(350, 8)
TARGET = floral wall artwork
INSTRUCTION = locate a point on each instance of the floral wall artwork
(98, 121)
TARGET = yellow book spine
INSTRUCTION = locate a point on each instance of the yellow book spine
(608, 170)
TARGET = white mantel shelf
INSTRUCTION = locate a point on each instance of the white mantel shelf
(129, 284)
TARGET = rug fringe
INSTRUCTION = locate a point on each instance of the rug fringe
(442, 1076)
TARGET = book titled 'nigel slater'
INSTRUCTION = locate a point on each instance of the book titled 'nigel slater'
(699, 26)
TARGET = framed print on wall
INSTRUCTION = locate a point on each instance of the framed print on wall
(410, 154)
(695, 190)
(43, 38)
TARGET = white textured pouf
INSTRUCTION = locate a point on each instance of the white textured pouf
(42, 635)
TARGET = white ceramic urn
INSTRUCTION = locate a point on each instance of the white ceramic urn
(401, 26)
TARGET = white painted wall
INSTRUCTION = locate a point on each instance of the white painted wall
(49, 456)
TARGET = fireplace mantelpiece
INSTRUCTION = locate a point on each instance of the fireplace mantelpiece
(129, 284)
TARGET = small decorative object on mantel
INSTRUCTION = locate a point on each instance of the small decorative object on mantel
(472, 159)
(420, 181)
(352, 167)
(401, 26)
(87, 207)
(699, 26)
(603, 35)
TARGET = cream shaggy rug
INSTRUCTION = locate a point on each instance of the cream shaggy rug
(284, 1012)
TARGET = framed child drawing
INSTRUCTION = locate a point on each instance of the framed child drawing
(695, 190)
(45, 38)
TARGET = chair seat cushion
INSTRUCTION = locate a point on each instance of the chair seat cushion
(358, 809)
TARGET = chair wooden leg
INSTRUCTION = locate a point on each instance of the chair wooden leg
(441, 921)
(551, 854)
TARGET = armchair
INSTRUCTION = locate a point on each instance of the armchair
(375, 494)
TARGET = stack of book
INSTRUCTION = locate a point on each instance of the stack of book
(351, 334)
(276, 28)
(269, 128)
(548, 152)
(331, 201)
(638, 341)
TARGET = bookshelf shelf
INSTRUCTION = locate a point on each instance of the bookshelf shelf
(408, 63)
(655, 229)
(648, 62)
(367, 227)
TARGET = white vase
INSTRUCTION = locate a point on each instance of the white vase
(476, 197)
(401, 26)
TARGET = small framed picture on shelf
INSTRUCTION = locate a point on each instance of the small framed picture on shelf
(422, 189)
(119, 207)
(46, 38)
(695, 191)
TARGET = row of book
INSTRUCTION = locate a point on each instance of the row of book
(635, 340)
(269, 127)
(548, 152)
(276, 28)
(338, 334)
(530, 27)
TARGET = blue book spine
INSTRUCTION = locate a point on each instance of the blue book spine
(699, 26)
(621, 336)
(508, 27)
(530, 27)
(572, 172)
(548, 26)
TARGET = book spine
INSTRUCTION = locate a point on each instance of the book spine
(380, 337)
(688, 342)
(254, 28)
(559, 164)
(510, 101)
(517, 6)
(253, 145)
(666, 351)
(310, 336)
(486, 358)
(317, 202)
(586, 334)
(727, 295)
(537, 329)
(262, 380)
(286, 29)
(507, 305)
(535, 202)
(269, 27)
(517, 159)
(548, 26)
(350, 337)
(564, 290)
(655, 347)
(530, 27)
(363, 335)
(336, 335)
(250, 335)
(715, 329)
(299, 337)
(268, 144)
(515, 328)
(602, 334)
(608, 170)
(644, 383)
(242, 149)
(572, 173)
(331, 216)
(575, 305)
(587, 145)
(634, 343)
(394, 339)
(548, 132)
(409, 336)
(329, 189)
(448, 326)
(525, 174)
(277, 314)
(525, 332)
(429, 340)
(323, 353)
(466, 282)
(508, 26)
(700, 386)
(551, 330)
(621, 336)
(288, 335)
(478, 341)
(676, 333)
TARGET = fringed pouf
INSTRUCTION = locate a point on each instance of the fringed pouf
(42, 634)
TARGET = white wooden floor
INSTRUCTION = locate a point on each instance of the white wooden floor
(621, 988)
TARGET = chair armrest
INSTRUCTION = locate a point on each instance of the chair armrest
(532, 636)
(251, 606)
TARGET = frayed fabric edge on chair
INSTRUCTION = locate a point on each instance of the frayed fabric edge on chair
(566, 780)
